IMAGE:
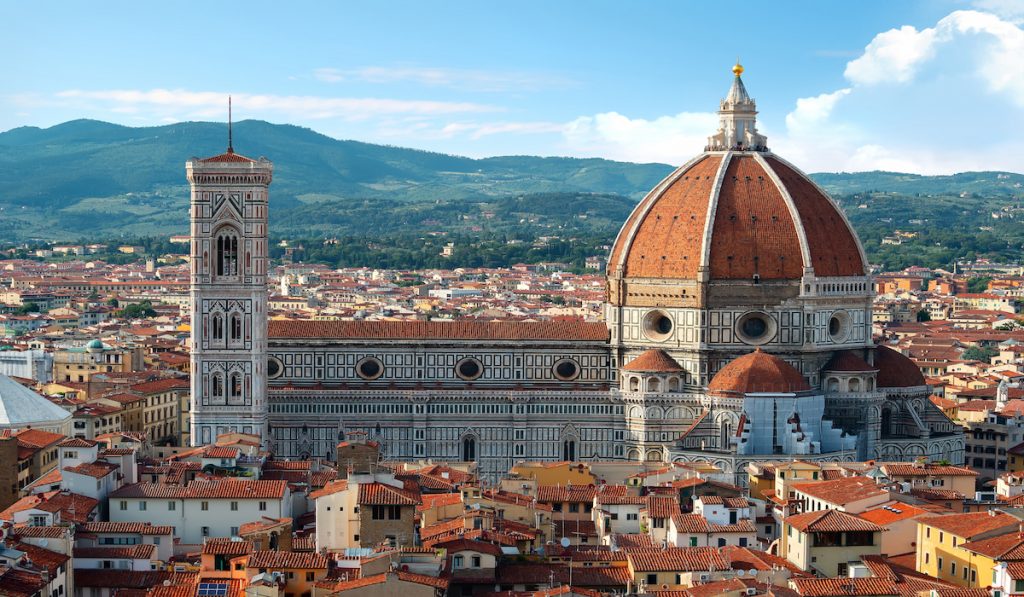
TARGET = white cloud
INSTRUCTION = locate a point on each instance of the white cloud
(183, 103)
(892, 56)
(463, 79)
(670, 139)
(1008, 9)
(812, 111)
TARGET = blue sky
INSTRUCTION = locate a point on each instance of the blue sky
(930, 87)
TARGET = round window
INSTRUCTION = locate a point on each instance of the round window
(274, 368)
(658, 325)
(469, 368)
(369, 368)
(567, 369)
(839, 326)
(755, 328)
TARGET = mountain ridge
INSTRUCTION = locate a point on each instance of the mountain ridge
(112, 179)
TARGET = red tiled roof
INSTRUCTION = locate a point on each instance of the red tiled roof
(442, 330)
(37, 438)
(896, 370)
(844, 587)
(1001, 548)
(654, 360)
(77, 442)
(96, 470)
(840, 491)
(381, 494)
(757, 372)
(632, 540)
(848, 361)
(130, 579)
(161, 385)
(226, 489)
(971, 524)
(227, 547)
(829, 521)
(141, 551)
(140, 528)
(227, 157)
(679, 559)
(892, 512)
(903, 469)
(220, 452)
(286, 559)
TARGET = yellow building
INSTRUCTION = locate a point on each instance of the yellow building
(932, 476)
(828, 542)
(940, 545)
(79, 364)
(555, 473)
(985, 554)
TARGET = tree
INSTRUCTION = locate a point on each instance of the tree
(27, 308)
(923, 315)
(980, 284)
(978, 353)
(137, 311)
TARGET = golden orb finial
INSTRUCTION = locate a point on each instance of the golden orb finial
(738, 69)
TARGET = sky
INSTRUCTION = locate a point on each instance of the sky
(931, 87)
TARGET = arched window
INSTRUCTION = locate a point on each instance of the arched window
(569, 450)
(653, 385)
(217, 385)
(218, 327)
(854, 384)
(726, 432)
(833, 384)
(227, 253)
(236, 326)
(236, 385)
(468, 449)
(634, 384)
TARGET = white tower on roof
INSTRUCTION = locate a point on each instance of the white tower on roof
(737, 120)
(229, 294)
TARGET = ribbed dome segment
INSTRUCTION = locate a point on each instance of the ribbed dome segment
(847, 361)
(896, 370)
(736, 215)
(757, 372)
(653, 361)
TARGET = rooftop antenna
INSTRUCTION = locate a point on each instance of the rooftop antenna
(230, 148)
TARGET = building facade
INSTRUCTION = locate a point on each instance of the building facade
(737, 328)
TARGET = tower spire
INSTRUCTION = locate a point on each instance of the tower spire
(737, 123)
(231, 149)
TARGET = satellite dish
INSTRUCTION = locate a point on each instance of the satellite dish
(564, 542)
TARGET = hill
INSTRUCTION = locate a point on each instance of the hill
(91, 179)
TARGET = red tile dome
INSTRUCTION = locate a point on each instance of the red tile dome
(653, 361)
(737, 215)
(896, 370)
(757, 372)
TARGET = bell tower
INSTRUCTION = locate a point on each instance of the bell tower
(228, 218)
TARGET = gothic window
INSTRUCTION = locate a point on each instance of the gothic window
(468, 449)
(227, 253)
(236, 326)
(569, 450)
(217, 385)
(726, 430)
(218, 327)
(236, 385)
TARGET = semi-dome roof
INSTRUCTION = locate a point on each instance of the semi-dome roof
(757, 372)
(736, 212)
(654, 360)
(896, 370)
(20, 407)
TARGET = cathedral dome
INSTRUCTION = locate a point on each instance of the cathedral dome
(896, 370)
(736, 212)
(653, 361)
(757, 372)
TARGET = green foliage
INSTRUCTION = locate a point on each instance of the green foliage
(978, 284)
(923, 315)
(27, 308)
(137, 311)
(978, 353)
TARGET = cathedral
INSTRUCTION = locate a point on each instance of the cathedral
(737, 328)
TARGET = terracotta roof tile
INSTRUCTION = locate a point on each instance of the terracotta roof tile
(226, 489)
(678, 559)
(844, 587)
(141, 528)
(141, 551)
(655, 360)
(227, 547)
(971, 524)
(670, 217)
(757, 372)
(381, 494)
(286, 559)
(849, 361)
(753, 231)
(575, 330)
(840, 491)
(829, 521)
(896, 370)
